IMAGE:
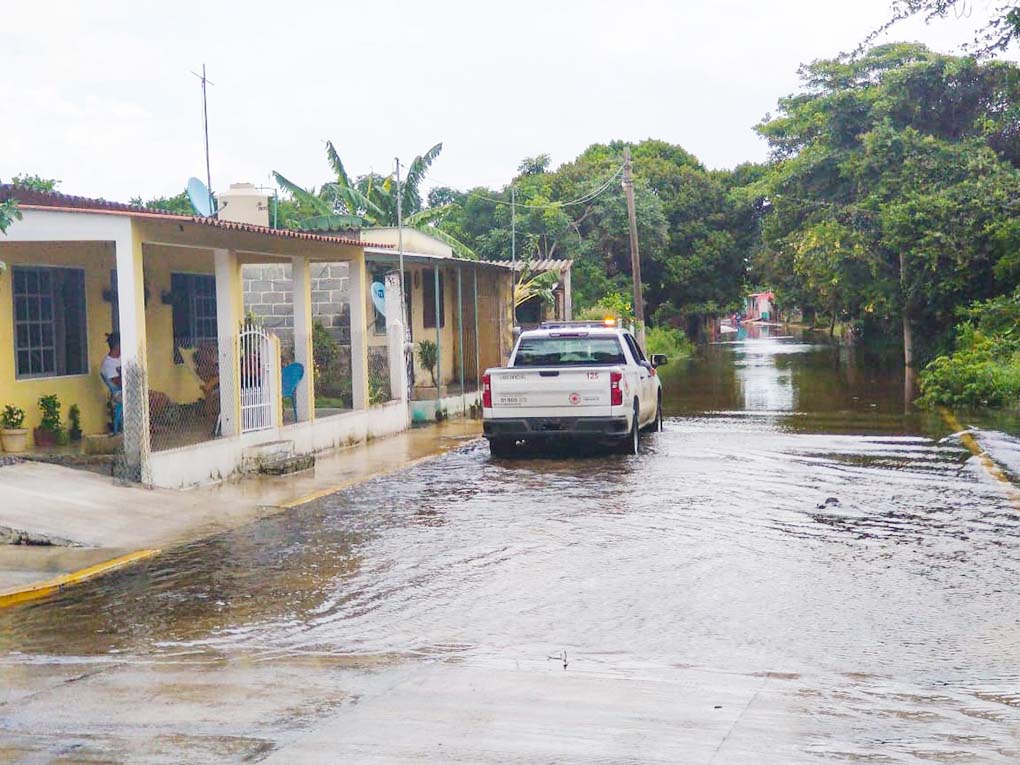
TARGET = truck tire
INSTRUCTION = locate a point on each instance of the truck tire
(629, 445)
(502, 447)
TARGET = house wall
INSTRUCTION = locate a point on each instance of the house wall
(85, 390)
(267, 295)
(215, 460)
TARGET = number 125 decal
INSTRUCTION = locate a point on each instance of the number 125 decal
(593, 375)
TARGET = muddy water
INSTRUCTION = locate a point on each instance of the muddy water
(795, 531)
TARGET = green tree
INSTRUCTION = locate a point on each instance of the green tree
(35, 182)
(891, 189)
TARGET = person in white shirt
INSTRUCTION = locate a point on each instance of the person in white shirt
(110, 368)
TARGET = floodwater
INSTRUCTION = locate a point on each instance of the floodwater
(798, 569)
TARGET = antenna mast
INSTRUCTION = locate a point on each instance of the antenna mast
(205, 121)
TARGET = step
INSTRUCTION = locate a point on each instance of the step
(253, 457)
(288, 465)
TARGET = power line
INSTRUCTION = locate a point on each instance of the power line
(587, 197)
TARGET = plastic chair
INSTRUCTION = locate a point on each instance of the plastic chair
(118, 405)
(291, 375)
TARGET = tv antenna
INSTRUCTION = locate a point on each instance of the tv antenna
(205, 121)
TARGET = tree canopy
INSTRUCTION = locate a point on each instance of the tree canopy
(893, 186)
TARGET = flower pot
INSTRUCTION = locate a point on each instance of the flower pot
(14, 440)
(45, 437)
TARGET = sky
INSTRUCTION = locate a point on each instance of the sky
(101, 95)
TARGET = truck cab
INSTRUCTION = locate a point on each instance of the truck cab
(572, 381)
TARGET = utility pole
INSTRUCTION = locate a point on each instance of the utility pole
(513, 253)
(635, 255)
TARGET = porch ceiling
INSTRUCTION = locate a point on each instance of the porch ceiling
(251, 246)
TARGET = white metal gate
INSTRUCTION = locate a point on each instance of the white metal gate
(256, 378)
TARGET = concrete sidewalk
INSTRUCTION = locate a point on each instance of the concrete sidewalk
(106, 522)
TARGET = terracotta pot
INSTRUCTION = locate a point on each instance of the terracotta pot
(44, 437)
(15, 441)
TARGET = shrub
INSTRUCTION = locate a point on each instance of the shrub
(614, 305)
(12, 418)
(672, 342)
(983, 371)
(50, 406)
(74, 417)
(428, 355)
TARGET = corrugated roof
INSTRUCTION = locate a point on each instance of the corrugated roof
(545, 264)
(54, 200)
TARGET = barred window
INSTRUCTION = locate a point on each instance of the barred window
(194, 310)
(49, 321)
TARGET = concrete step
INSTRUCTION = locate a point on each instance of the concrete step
(254, 457)
(287, 465)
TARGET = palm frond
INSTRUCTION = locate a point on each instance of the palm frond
(430, 215)
(459, 248)
(302, 195)
(338, 166)
(332, 222)
(416, 174)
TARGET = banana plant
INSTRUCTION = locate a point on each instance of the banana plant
(536, 284)
(371, 200)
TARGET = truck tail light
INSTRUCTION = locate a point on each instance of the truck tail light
(615, 392)
(486, 391)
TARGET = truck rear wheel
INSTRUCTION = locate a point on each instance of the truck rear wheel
(629, 445)
(502, 447)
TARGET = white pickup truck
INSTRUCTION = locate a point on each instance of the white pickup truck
(581, 381)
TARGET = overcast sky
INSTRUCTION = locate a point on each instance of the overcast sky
(101, 95)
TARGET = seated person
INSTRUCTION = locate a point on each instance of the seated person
(109, 370)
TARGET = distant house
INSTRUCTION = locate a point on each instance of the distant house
(758, 306)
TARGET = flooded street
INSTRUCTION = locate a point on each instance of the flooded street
(795, 570)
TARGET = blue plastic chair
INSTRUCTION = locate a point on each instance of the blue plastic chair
(291, 375)
(118, 405)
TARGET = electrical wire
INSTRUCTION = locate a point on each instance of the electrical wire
(587, 197)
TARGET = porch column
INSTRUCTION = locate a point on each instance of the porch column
(478, 344)
(359, 326)
(395, 335)
(460, 339)
(439, 335)
(302, 285)
(229, 313)
(568, 298)
(133, 353)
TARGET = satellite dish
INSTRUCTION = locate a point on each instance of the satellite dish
(200, 198)
(379, 297)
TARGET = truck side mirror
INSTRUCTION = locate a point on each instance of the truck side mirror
(659, 360)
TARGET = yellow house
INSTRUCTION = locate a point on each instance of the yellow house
(202, 389)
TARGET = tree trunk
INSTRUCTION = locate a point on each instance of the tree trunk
(832, 326)
(908, 340)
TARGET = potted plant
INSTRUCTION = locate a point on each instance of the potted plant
(428, 355)
(74, 429)
(14, 437)
(51, 429)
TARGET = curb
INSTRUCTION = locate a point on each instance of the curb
(986, 461)
(16, 595)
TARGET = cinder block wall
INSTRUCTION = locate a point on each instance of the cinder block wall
(268, 295)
